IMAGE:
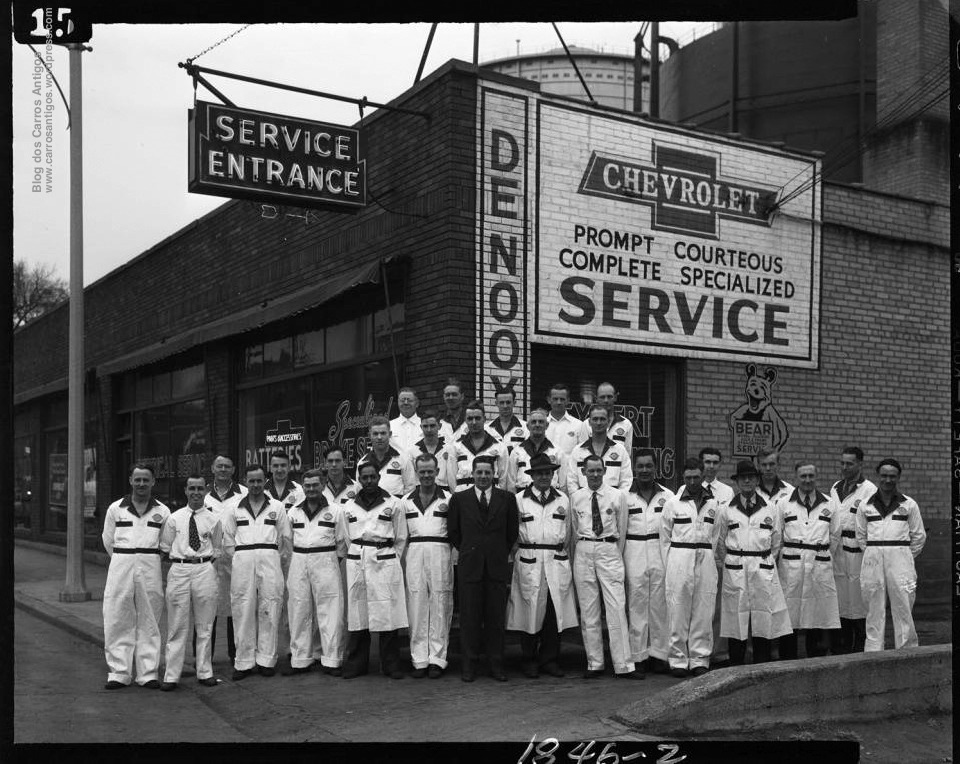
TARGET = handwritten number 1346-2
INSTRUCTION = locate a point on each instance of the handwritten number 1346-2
(544, 753)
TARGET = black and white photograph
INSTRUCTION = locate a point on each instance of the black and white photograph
(563, 385)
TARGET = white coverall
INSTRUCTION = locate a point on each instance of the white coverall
(133, 595)
(460, 461)
(620, 430)
(192, 587)
(450, 435)
(314, 586)
(222, 563)
(781, 490)
(396, 471)
(291, 495)
(643, 562)
(891, 538)
(810, 541)
(688, 540)
(848, 561)
(348, 491)
(721, 491)
(256, 543)
(564, 433)
(752, 603)
(538, 571)
(428, 571)
(619, 473)
(404, 432)
(598, 570)
(375, 539)
(441, 455)
(512, 437)
(518, 462)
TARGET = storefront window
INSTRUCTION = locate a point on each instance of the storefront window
(23, 485)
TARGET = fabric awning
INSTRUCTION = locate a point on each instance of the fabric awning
(247, 319)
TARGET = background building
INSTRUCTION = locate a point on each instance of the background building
(258, 320)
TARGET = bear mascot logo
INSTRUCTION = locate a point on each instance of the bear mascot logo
(757, 424)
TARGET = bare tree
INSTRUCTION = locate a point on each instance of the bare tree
(36, 289)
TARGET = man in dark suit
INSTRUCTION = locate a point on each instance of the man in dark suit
(483, 526)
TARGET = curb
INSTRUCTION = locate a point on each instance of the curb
(57, 617)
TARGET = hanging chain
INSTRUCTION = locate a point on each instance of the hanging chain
(232, 34)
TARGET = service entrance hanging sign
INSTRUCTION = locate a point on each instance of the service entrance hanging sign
(247, 154)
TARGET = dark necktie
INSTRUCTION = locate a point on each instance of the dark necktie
(544, 498)
(597, 520)
(483, 504)
(807, 503)
(194, 534)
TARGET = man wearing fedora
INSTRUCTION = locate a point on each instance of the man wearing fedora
(751, 600)
(542, 602)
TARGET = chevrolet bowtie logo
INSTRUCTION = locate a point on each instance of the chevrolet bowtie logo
(683, 188)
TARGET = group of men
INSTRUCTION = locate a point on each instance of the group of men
(591, 534)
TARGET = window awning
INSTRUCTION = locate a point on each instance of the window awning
(250, 318)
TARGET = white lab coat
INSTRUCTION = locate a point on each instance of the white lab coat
(810, 541)
(540, 572)
(616, 461)
(518, 462)
(848, 561)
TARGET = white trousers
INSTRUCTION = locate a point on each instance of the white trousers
(192, 595)
(889, 572)
(256, 597)
(316, 609)
(598, 571)
(646, 605)
(691, 592)
(132, 606)
(429, 577)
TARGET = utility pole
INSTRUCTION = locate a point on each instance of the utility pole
(75, 589)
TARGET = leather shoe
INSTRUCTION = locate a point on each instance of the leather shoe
(419, 673)
(679, 673)
(468, 674)
(332, 670)
(700, 671)
(497, 673)
(266, 670)
(530, 670)
(153, 684)
(210, 681)
(658, 666)
(396, 674)
(552, 669)
(434, 672)
(631, 675)
(351, 673)
(293, 671)
(113, 684)
(593, 673)
(239, 674)
(168, 686)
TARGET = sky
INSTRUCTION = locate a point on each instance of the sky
(135, 101)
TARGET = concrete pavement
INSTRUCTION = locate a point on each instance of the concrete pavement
(567, 708)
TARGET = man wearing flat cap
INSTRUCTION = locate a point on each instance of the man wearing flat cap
(890, 533)
(751, 601)
(542, 602)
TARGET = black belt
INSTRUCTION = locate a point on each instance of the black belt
(313, 549)
(438, 539)
(888, 543)
(194, 560)
(135, 550)
(800, 545)
(554, 547)
(853, 549)
(610, 539)
(748, 553)
(374, 544)
(643, 536)
(244, 547)
(848, 534)
(690, 545)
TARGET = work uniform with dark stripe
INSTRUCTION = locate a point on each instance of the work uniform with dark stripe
(891, 536)
(397, 476)
(811, 538)
(463, 452)
(616, 462)
(314, 587)
(643, 562)
(847, 564)
(133, 594)
(256, 541)
(751, 599)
